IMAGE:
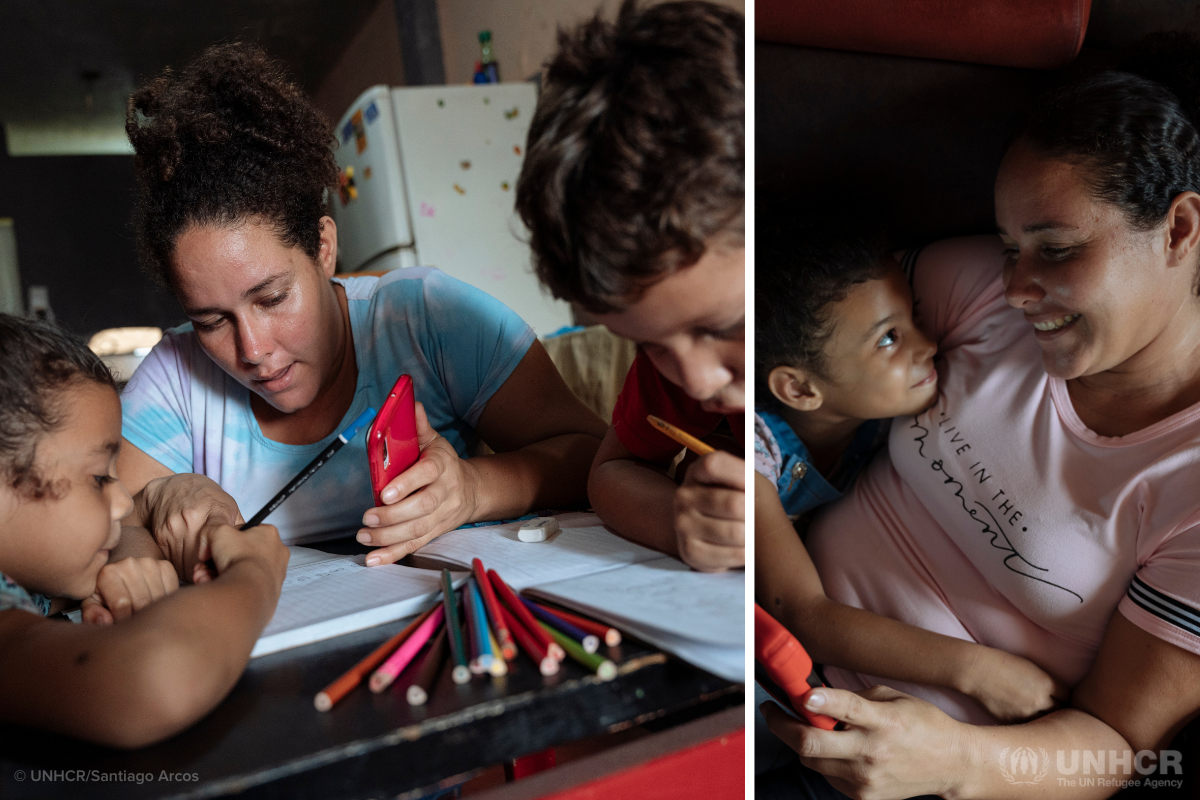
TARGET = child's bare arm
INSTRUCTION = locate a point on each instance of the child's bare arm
(146, 678)
(701, 522)
(787, 585)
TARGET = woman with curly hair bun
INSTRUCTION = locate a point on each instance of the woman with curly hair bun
(235, 171)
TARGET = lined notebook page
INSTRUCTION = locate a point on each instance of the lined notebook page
(331, 595)
(662, 594)
(583, 547)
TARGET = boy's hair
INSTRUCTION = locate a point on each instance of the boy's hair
(801, 270)
(635, 156)
(227, 139)
(37, 361)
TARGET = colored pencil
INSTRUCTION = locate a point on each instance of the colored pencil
(683, 437)
(343, 438)
(499, 665)
(387, 672)
(587, 641)
(604, 669)
(547, 664)
(471, 633)
(421, 687)
(611, 636)
(521, 613)
(335, 691)
(459, 672)
(508, 648)
(486, 656)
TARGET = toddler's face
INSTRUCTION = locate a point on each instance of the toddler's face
(692, 326)
(57, 544)
(880, 363)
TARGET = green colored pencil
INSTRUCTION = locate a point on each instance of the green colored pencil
(460, 673)
(605, 669)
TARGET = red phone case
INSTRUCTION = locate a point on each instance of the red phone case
(786, 663)
(392, 445)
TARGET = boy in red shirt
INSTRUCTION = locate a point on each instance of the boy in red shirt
(633, 191)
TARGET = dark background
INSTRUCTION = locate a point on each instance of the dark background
(63, 59)
(910, 146)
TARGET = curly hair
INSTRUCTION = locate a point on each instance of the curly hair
(802, 269)
(37, 360)
(1134, 128)
(635, 156)
(229, 138)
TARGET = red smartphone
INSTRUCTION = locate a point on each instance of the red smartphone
(392, 445)
(787, 664)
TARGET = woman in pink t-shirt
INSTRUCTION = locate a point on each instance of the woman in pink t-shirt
(1055, 481)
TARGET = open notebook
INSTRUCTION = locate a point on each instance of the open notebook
(326, 595)
(696, 616)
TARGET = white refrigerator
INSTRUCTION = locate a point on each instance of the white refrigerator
(428, 177)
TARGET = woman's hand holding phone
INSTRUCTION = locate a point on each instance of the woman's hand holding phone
(435, 495)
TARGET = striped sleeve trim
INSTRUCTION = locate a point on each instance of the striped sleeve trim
(908, 262)
(1166, 608)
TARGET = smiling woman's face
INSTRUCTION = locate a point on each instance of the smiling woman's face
(262, 310)
(1095, 290)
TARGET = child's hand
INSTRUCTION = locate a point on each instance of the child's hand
(1012, 688)
(435, 495)
(710, 513)
(259, 546)
(177, 510)
(127, 586)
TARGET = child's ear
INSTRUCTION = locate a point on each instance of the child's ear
(795, 388)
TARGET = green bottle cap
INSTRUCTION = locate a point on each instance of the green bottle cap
(485, 36)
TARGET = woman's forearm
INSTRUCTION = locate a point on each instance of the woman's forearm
(1052, 757)
(548, 474)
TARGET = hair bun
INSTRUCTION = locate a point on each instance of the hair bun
(1171, 59)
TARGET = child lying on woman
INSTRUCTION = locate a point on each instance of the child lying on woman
(149, 661)
(837, 355)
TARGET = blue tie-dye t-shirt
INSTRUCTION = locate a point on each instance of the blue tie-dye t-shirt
(458, 344)
(13, 595)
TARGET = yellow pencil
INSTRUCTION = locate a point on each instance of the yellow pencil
(686, 439)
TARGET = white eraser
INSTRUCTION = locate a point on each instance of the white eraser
(542, 529)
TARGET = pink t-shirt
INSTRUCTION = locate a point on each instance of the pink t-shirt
(998, 517)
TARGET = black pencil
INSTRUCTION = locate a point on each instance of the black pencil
(426, 675)
(313, 466)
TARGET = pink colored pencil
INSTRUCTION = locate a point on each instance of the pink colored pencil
(521, 613)
(391, 668)
(547, 664)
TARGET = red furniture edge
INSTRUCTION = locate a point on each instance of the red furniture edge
(703, 758)
(1038, 34)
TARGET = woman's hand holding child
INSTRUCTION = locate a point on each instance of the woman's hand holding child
(177, 510)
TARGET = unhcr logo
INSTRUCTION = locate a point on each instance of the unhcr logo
(1024, 765)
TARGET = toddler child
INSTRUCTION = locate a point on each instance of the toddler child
(837, 353)
(633, 192)
(165, 657)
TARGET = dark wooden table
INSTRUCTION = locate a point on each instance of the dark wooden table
(267, 740)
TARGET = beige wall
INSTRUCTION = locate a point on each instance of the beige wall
(523, 31)
(372, 57)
